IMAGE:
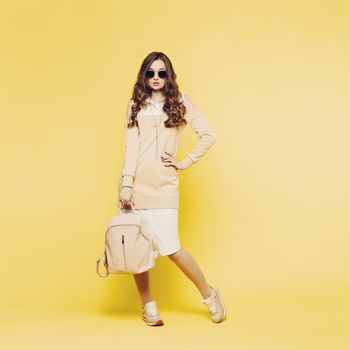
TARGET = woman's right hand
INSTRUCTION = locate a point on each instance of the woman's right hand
(125, 197)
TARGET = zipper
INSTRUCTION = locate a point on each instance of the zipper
(124, 252)
(127, 225)
(121, 225)
(146, 238)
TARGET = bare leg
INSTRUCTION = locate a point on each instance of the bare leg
(142, 283)
(185, 261)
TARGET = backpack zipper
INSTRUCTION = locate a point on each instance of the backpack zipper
(124, 252)
(120, 225)
(127, 225)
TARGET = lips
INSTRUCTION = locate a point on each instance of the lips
(155, 83)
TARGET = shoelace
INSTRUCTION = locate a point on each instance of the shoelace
(152, 310)
(212, 307)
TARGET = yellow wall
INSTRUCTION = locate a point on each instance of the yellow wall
(265, 212)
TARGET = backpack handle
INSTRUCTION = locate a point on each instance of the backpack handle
(121, 208)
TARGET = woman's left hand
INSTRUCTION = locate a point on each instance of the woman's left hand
(170, 160)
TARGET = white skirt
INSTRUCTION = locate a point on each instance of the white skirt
(164, 228)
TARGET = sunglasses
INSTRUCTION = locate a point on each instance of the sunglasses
(161, 74)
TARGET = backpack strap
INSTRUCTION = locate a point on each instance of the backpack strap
(104, 260)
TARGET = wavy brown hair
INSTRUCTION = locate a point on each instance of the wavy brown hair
(173, 105)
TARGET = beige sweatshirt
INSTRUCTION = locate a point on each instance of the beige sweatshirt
(154, 184)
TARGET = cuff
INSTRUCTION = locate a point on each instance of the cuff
(188, 161)
(127, 180)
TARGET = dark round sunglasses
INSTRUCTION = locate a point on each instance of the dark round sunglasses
(161, 74)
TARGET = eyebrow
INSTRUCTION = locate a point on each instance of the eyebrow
(158, 70)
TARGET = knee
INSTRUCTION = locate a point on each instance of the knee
(175, 255)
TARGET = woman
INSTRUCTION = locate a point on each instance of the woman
(155, 120)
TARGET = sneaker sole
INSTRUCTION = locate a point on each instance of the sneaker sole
(222, 303)
(157, 323)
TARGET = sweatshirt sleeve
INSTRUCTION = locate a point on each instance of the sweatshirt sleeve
(204, 131)
(132, 144)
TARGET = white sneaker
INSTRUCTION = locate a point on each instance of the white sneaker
(150, 314)
(215, 305)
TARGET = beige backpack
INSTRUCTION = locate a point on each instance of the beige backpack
(128, 245)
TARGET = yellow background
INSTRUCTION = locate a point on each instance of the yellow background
(265, 212)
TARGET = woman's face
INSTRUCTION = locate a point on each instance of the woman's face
(156, 83)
